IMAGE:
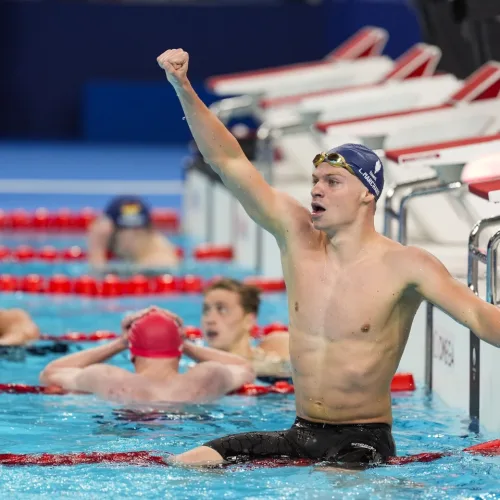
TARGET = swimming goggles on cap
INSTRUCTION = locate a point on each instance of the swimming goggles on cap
(333, 159)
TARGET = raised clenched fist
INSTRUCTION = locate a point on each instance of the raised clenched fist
(175, 63)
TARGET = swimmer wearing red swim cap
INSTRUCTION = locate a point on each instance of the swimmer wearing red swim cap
(352, 293)
(154, 340)
(126, 229)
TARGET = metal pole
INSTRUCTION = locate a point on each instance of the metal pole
(403, 206)
(429, 345)
(231, 107)
(491, 269)
(475, 256)
(389, 211)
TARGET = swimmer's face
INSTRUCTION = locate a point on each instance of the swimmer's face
(128, 242)
(224, 320)
(336, 196)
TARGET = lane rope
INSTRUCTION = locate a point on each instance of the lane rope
(145, 458)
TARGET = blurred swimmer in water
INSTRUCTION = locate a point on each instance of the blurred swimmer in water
(126, 230)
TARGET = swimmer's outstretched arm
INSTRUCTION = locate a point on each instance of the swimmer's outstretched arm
(17, 327)
(266, 206)
(433, 281)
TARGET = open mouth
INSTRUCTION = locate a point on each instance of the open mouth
(211, 334)
(317, 209)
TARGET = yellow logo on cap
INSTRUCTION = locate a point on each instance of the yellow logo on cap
(130, 209)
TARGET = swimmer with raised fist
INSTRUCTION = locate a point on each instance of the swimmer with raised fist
(352, 295)
(154, 339)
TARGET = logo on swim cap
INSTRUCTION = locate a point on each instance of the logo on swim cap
(131, 215)
(128, 212)
(130, 209)
(378, 166)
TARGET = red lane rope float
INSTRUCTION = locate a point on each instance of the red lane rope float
(24, 253)
(266, 284)
(213, 252)
(32, 389)
(145, 458)
(81, 337)
(130, 458)
(191, 332)
(65, 219)
(281, 387)
(246, 390)
(109, 286)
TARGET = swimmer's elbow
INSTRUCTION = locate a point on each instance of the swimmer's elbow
(245, 374)
(45, 376)
(249, 374)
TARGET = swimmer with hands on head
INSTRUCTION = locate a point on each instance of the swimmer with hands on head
(352, 295)
(154, 338)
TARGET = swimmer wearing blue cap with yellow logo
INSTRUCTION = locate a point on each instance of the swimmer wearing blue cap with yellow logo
(352, 296)
(126, 230)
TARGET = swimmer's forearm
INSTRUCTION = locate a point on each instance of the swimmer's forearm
(213, 139)
(488, 324)
(89, 356)
(201, 353)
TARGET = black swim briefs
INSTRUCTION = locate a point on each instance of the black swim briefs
(350, 444)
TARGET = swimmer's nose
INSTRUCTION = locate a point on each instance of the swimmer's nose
(317, 191)
(209, 318)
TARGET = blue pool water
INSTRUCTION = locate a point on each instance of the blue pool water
(62, 424)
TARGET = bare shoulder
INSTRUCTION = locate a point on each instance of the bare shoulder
(295, 217)
(413, 263)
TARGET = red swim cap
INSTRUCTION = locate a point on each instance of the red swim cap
(155, 335)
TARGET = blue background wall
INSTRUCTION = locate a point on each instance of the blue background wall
(88, 71)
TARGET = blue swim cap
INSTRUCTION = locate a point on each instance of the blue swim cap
(365, 164)
(128, 212)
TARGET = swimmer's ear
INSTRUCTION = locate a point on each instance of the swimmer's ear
(367, 197)
(249, 321)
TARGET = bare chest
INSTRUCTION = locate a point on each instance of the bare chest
(338, 303)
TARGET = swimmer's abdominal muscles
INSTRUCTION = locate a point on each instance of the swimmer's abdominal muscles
(221, 151)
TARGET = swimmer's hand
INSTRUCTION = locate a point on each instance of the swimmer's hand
(175, 64)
